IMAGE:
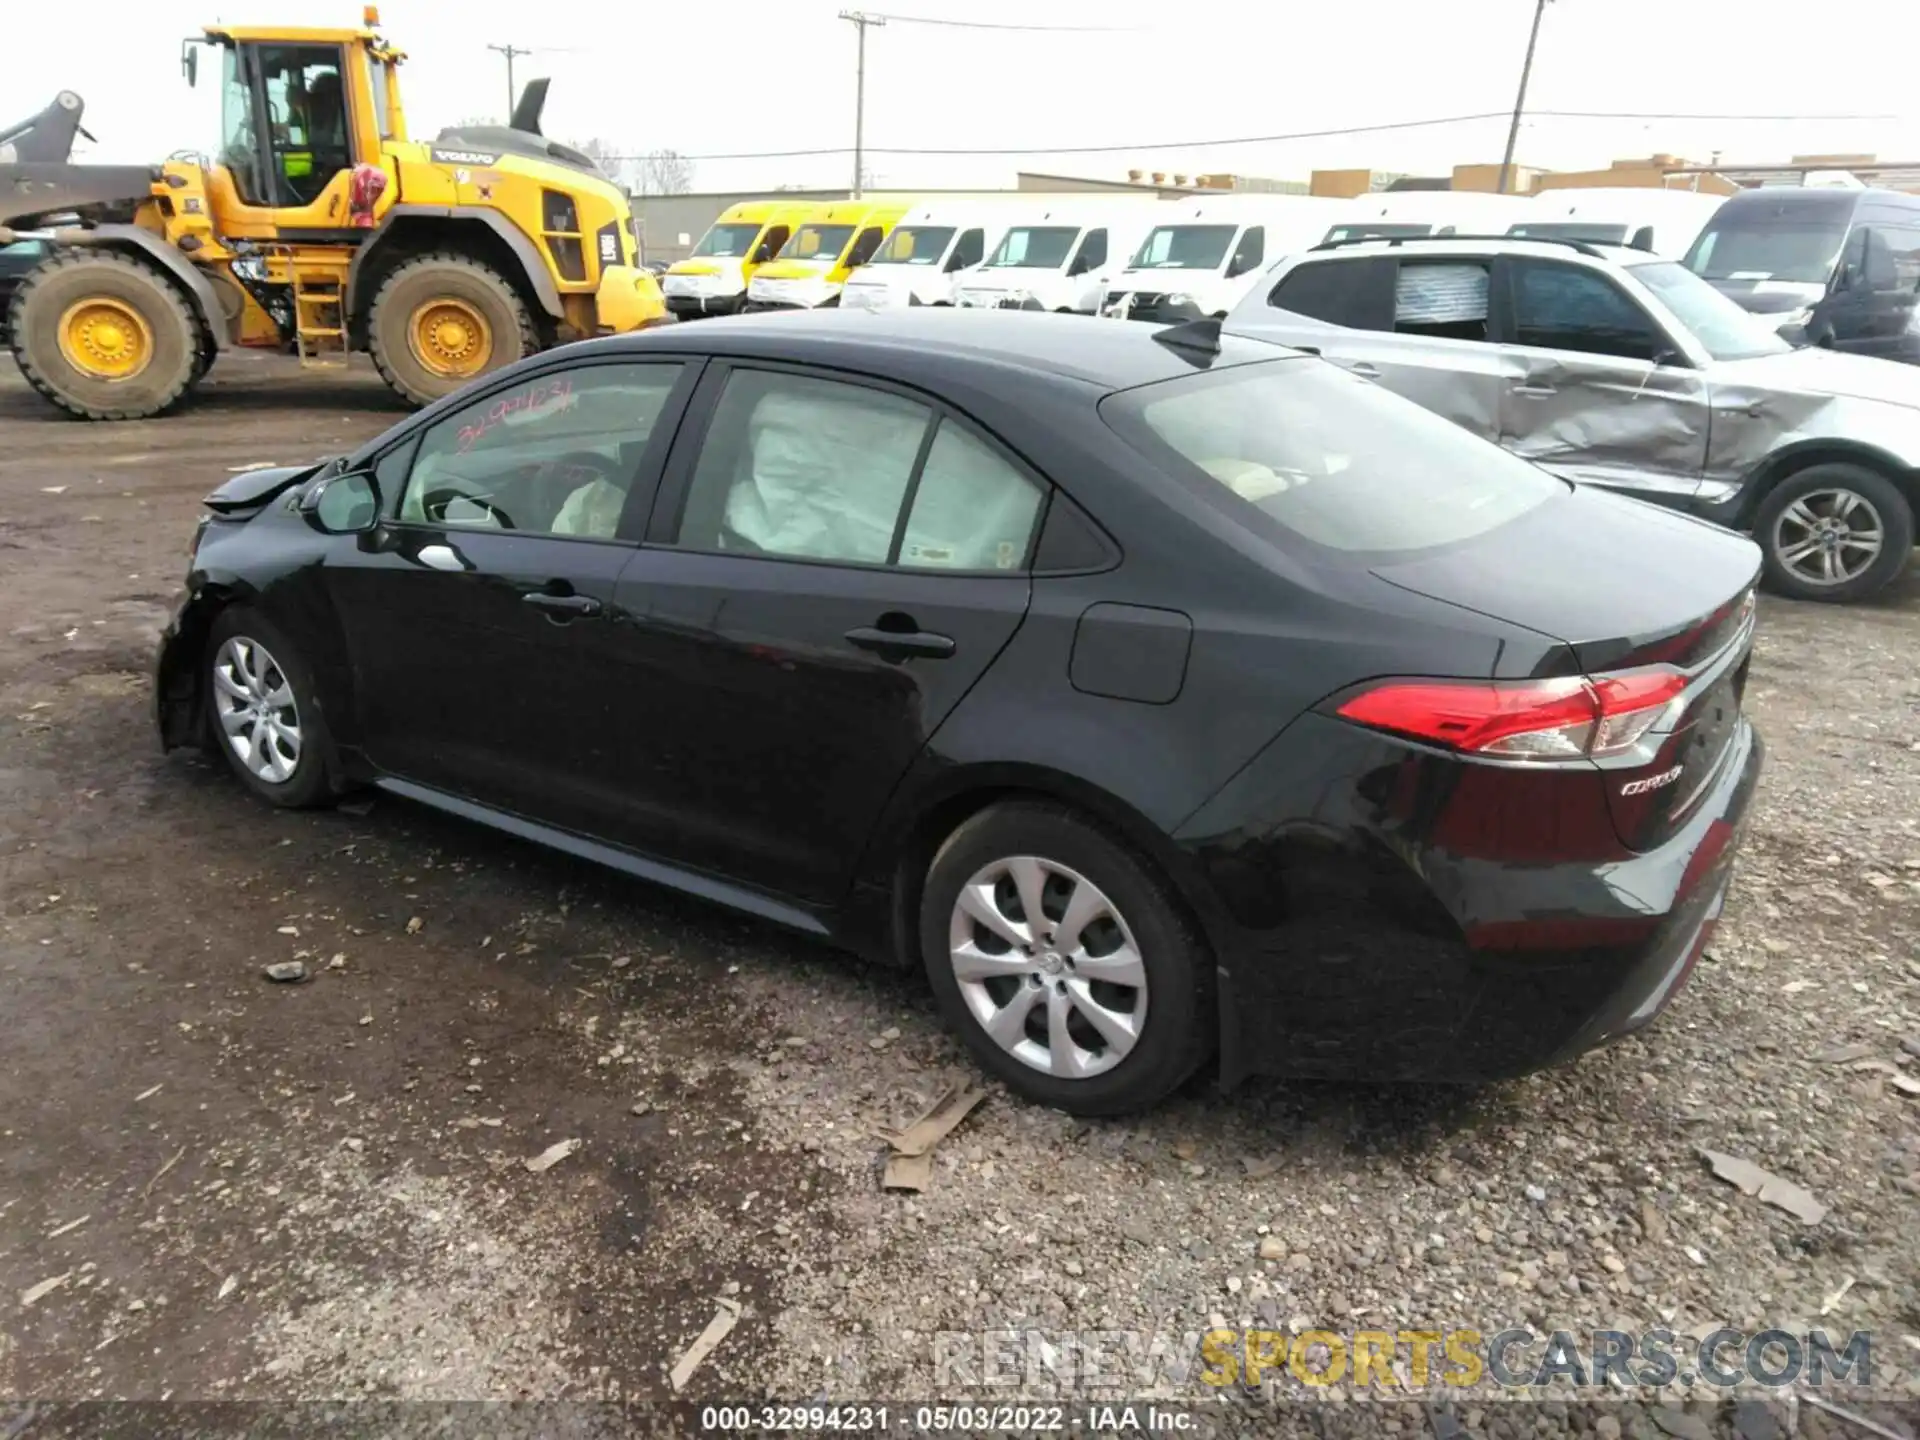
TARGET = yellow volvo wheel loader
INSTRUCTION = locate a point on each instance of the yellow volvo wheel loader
(319, 227)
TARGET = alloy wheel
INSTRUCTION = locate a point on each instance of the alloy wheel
(1829, 536)
(1048, 967)
(254, 702)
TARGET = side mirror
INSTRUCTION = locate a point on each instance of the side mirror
(342, 504)
(190, 62)
(762, 255)
(1666, 357)
(1240, 266)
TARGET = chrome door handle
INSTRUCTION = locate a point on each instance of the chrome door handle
(1528, 388)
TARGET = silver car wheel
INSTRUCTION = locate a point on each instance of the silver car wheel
(1048, 966)
(1828, 537)
(253, 700)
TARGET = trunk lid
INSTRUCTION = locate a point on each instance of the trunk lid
(1624, 586)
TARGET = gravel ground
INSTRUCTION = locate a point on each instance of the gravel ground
(313, 1191)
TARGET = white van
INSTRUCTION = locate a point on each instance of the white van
(1204, 254)
(1407, 213)
(1059, 254)
(1662, 222)
(929, 251)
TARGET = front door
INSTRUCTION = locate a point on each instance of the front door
(831, 567)
(482, 622)
(1596, 390)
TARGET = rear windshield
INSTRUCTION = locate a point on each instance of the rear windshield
(1042, 247)
(1589, 230)
(915, 245)
(1300, 447)
(817, 242)
(1381, 230)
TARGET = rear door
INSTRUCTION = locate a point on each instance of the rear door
(832, 565)
(1597, 391)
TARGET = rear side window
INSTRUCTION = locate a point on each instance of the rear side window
(1297, 450)
(1357, 293)
(1446, 300)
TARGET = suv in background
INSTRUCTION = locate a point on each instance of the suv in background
(1609, 366)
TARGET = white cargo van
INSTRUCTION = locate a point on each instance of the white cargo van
(1662, 222)
(1059, 254)
(1407, 213)
(1204, 254)
(929, 251)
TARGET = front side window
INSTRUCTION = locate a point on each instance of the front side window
(916, 245)
(817, 242)
(1184, 247)
(1564, 307)
(1250, 252)
(1903, 243)
(806, 468)
(552, 456)
(1093, 252)
(728, 242)
(1297, 450)
(971, 250)
(1039, 247)
(866, 247)
(1441, 299)
(239, 145)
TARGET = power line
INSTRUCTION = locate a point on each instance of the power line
(509, 51)
(1213, 144)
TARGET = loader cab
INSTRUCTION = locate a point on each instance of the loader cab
(299, 109)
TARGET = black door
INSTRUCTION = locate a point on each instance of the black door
(482, 624)
(833, 566)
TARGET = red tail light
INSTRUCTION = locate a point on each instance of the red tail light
(1521, 720)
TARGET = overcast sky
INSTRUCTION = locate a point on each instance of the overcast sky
(777, 75)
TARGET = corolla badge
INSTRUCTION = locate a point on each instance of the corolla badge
(1652, 782)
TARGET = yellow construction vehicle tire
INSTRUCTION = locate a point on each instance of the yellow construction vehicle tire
(441, 321)
(105, 336)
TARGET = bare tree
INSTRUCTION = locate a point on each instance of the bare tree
(662, 172)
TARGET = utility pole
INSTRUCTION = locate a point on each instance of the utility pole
(509, 51)
(1520, 100)
(861, 20)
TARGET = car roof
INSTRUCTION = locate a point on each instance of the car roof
(1468, 245)
(923, 345)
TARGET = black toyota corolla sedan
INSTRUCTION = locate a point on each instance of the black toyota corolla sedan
(1160, 694)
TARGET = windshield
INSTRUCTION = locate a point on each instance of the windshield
(1303, 449)
(1723, 329)
(1770, 246)
(728, 242)
(915, 245)
(1592, 231)
(1040, 247)
(1185, 247)
(1380, 231)
(817, 242)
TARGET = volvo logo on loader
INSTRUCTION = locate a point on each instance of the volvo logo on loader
(465, 157)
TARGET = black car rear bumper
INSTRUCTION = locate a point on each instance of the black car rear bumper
(1349, 964)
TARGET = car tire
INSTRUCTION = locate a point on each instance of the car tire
(1164, 1025)
(277, 749)
(1797, 508)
